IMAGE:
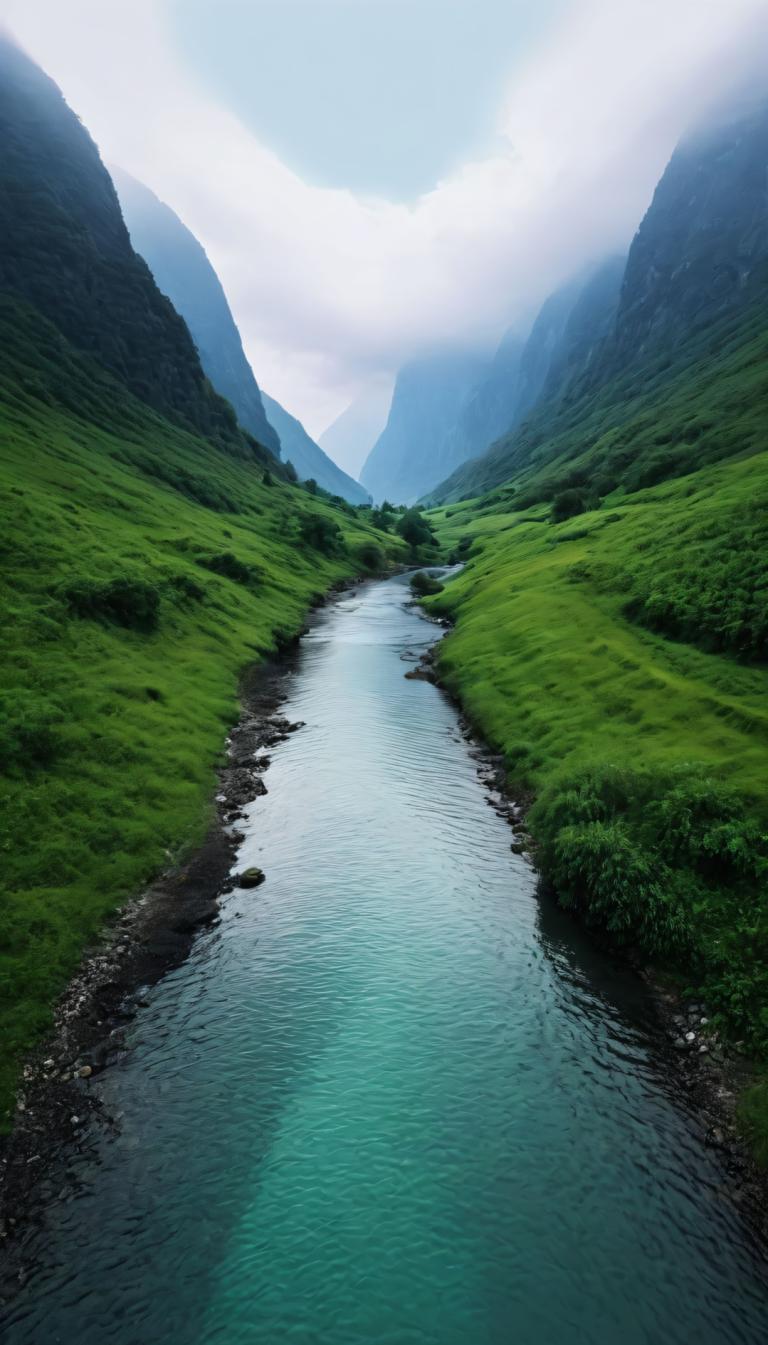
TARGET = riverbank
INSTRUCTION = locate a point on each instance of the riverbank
(700, 1058)
(152, 934)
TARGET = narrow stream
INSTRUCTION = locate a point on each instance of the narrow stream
(392, 1097)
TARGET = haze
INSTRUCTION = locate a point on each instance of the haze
(364, 188)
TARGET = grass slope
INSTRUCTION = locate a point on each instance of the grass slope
(131, 606)
(647, 753)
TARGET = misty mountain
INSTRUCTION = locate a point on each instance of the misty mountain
(702, 248)
(183, 271)
(695, 282)
(350, 438)
(65, 250)
(491, 407)
(308, 458)
(414, 451)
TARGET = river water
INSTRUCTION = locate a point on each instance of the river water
(393, 1097)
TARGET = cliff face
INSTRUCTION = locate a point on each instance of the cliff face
(350, 438)
(414, 450)
(492, 406)
(695, 282)
(182, 270)
(65, 250)
(308, 457)
(702, 248)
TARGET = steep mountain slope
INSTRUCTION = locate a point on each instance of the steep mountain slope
(492, 406)
(695, 286)
(702, 249)
(65, 249)
(350, 438)
(611, 622)
(413, 452)
(182, 270)
(308, 458)
(144, 567)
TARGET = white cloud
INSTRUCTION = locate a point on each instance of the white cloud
(330, 289)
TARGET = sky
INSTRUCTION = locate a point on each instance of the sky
(376, 178)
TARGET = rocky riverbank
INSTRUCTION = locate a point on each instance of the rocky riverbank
(57, 1102)
(706, 1065)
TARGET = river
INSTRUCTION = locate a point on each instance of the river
(393, 1096)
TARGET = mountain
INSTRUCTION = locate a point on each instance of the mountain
(413, 453)
(308, 458)
(350, 438)
(492, 406)
(146, 559)
(695, 284)
(182, 270)
(65, 250)
(702, 249)
(609, 626)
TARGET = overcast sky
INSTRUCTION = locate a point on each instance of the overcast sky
(374, 177)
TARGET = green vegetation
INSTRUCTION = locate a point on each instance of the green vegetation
(423, 584)
(416, 530)
(132, 602)
(617, 660)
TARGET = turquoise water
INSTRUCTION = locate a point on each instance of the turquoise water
(392, 1097)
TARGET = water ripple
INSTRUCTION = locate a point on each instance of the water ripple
(394, 1097)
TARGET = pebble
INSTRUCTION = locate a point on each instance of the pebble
(690, 1036)
(84, 1072)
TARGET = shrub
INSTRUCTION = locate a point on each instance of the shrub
(371, 556)
(423, 584)
(320, 533)
(125, 601)
(568, 503)
(230, 566)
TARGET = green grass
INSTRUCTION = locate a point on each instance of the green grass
(667, 415)
(130, 610)
(646, 753)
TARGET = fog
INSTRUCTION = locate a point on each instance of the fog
(332, 290)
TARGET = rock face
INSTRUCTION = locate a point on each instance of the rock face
(702, 248)
(492, 406)
(589, 324)
(700, 256)
(350, 438)
(65, 250)
(308, 457)
(183, 271)
(414, 451)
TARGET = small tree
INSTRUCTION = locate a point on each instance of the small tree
(415, 530)
(321, 533)
(311, 485)
(291, 473)
(371, 556)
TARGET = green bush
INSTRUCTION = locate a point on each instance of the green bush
(230, 566)
(569, 503)
(124, 601)
(669, 863)
(371, 556)
(320, 533)
(422, 584)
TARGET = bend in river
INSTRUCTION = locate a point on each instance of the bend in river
(392, 1097)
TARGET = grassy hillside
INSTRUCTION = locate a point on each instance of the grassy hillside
(142, 570)
(617, 658)
(661, 418)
